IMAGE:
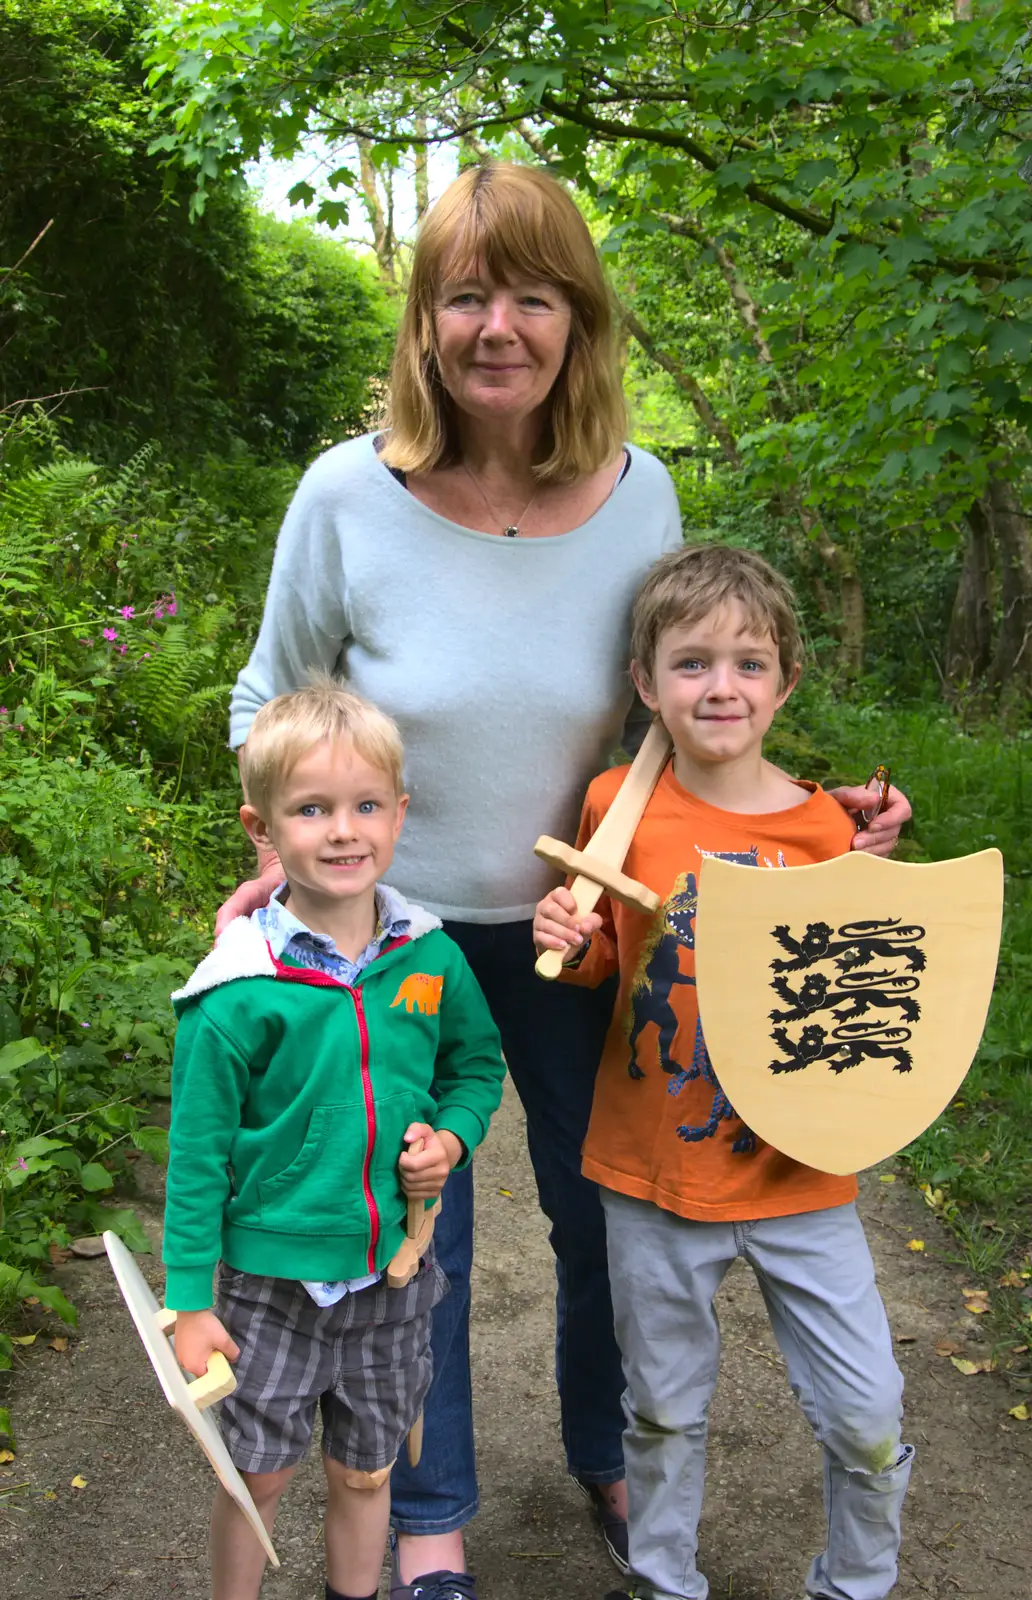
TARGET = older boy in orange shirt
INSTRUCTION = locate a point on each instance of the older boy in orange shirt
(685, 1184)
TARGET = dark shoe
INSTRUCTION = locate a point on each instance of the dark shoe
(436, 1586)
(614, 1528)
(432, 1585)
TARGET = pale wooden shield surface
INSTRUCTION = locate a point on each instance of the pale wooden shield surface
(149, 1319)
(843, 1003)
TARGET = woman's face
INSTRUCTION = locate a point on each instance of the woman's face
(500, 346)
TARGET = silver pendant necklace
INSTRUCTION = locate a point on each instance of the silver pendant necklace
(510, 530)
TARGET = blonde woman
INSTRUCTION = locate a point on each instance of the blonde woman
(470, 569)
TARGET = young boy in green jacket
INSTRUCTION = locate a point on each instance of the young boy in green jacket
(320, 1038)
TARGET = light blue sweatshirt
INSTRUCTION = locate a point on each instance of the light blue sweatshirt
(503, 661)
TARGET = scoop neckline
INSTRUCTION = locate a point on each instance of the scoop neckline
(498, 538)
(811, 792)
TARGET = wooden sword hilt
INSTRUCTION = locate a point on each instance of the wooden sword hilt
(597, 870)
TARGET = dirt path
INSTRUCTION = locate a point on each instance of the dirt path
(137, 1529)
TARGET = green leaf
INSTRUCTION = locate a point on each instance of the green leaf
(152, 1140)
(904, 401)
(94, 1177)
(810, 173)
(733, 175)
(37, 1146)
(125, 1223)
(859, 258)
(18, 1054)
(7, 1439)
(301, 194)
(903, 252)
(1010, 338)
(49, 1295)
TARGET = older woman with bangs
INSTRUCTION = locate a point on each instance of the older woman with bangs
(470, 569)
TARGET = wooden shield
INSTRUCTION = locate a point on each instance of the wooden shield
(843, 1003)
(152, 1323)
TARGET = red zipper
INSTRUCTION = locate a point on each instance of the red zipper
(370, 1106)
(319, 979)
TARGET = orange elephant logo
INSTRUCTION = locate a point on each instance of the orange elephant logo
(420, 991)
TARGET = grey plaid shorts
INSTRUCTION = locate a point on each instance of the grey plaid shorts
(364, 1362)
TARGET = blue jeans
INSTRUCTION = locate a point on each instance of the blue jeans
(552, 1035)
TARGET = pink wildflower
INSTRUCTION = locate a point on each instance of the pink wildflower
(170, 604)
(122, 649)
(159, 611)
(111, 634)
(3, 711)
(128, 611)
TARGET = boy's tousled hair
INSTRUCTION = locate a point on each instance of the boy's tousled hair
(686, 585)
(325, 710)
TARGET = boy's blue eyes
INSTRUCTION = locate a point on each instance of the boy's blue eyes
(365, 808)
(692, 663)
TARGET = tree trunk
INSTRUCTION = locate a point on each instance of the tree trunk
(1012, 661)
(422, 172)
(383, 244)
(689, 386)
(969, 640)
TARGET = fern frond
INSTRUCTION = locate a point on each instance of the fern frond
(33, 498)
(112, 494)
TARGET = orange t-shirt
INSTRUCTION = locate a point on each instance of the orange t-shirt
(661, 1127)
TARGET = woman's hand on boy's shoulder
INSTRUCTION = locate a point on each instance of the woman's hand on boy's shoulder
(880, 836)
(557, 925)
(198, 1335)
(250, 896)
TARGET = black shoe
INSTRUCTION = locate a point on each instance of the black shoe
(432, 1585)
(436, 1586)
(614, 1528)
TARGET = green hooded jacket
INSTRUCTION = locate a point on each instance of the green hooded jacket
(291, 1093)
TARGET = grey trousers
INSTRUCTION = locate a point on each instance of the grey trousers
(817, 1278)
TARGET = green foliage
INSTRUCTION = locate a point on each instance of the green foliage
(135, 320)
(127, 599)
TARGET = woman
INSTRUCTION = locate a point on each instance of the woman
(471, 571)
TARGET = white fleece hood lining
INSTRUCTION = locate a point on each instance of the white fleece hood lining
(242, 951)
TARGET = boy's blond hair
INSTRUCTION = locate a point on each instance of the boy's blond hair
(686, 585)
(324, 711)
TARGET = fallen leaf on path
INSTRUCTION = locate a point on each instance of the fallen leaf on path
(915, 1244)
(31, 1300)
(79, 1482)
(1011, 1280)
(6, 1455)
(1022, 1413)
(975, 1294)
(887, 1177)
(978, 1307)
(970, 1368)
(906, 1338)
(946, 1347)
(58, 1255)
(23, 1338)
(58, 1344)
(507, 1193)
